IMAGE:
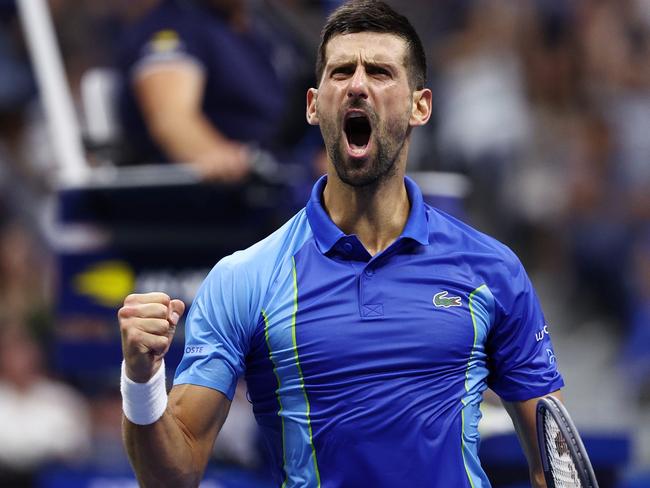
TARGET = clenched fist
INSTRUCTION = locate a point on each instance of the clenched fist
(147, 324)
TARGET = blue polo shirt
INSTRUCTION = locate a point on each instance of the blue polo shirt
(369, 370)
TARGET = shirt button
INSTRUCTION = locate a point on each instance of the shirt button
(347, 247)
(369, 272)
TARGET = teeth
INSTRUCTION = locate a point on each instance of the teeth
(356, 115)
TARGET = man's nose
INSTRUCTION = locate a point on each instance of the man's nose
(358, 87)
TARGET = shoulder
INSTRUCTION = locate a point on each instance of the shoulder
(456, 235)
(488, 260)
(170, 14)
(257, 266)
(239, 284)
(169, 27)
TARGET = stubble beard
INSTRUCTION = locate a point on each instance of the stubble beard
(389, 140)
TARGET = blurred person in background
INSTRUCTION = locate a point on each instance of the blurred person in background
(16, 82)
(43, 420)
(615, 42)
(207, 79)
(636, 351)
(107, 453)
(597, 224)
(536, 189)
(25, 271)
(482, 111)
(21, 183)
(606, 175)
(583, 192)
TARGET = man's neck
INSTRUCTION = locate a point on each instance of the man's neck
(375, 214)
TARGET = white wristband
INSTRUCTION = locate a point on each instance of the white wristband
(144, 403)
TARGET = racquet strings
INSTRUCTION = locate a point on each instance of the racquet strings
(562, 465)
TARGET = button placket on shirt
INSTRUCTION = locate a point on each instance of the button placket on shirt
(369, 309)
(353, 253)
(368, 278)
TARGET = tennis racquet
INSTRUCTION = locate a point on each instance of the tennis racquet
(564, 458)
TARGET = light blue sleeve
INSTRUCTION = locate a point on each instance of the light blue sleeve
(218, 329)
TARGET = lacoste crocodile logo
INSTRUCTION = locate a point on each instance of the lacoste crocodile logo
(442, 300)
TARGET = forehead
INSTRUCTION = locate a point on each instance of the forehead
(369, 46)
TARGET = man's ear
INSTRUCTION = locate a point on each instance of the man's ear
(421, 107)
(312, 96)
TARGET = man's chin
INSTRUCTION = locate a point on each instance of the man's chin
(360, 172)
(358, 182)
(359, 177)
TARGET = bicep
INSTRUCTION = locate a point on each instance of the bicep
(200, 412)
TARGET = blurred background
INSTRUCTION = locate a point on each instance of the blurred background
(142, 141)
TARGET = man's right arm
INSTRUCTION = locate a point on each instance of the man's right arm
(169, 95)
(173, 439)
(174, 450)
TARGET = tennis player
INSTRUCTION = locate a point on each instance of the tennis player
(367, 327)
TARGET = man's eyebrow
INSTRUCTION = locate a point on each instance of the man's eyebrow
(343, 63)
(348, 62)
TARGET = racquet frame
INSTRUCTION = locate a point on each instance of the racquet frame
(572, 439)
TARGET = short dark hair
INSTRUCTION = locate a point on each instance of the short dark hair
(374, 16)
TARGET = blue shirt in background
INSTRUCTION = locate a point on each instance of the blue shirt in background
(244, 95)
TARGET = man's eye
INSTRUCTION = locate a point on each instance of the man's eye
(378, 71)
(341, 72)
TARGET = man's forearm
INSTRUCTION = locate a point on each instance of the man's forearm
(161, 453)
(537, 479)
(187, 136)
(524, 418)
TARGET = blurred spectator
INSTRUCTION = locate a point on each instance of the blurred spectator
(107, 454)
(16, 83)
(609, 175)
(483, 114)
(616, 40)
(536, 190)
(207, 79)
(43, 420)
(25, 287)
(636, 352)
(17, 89)
(597, 226)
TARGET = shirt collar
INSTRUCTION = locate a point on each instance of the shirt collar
(327, 234)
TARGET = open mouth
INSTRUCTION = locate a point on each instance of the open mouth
(357, 130)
